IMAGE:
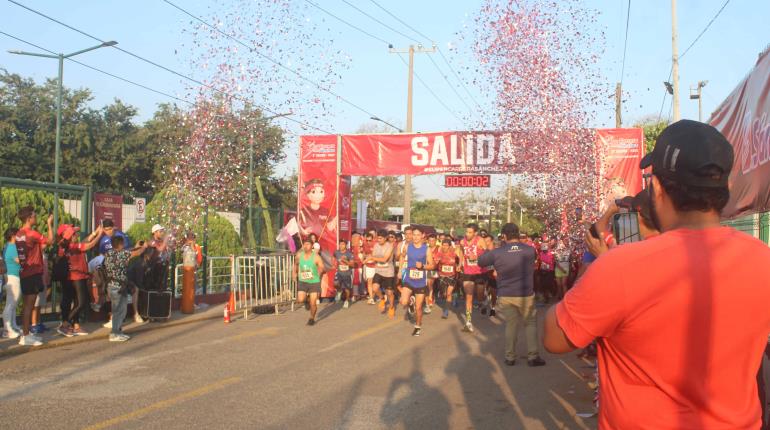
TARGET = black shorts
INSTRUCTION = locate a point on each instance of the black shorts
(480, 279)
(387, 283)
(447, 281)
(309, 288)
(344, 281)
(491, 281)
(417, 290)
(32, 285)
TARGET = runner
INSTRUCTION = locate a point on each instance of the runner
(368, 246)
(343, 278)
(433, 248)
(384, 273)
(308, 268)
(356, 248)
(490, 286)
(446, 263)
(472, 274)
(417, 260)
(400, 252)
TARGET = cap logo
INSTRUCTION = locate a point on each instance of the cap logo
(674, 157)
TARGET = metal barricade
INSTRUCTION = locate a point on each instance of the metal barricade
(220, 277)
(264, 280)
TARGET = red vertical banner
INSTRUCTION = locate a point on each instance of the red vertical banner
(619, 152)
(345, 209)
(318, 194)
(108, 206)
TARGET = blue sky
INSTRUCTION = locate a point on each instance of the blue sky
(376, 79)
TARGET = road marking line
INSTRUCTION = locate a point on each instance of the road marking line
(574, 372)
(164, 404)
(360, 334)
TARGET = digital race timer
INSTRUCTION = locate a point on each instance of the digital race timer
(467, 181)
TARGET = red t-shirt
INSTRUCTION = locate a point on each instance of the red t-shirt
(446, 262)
(30, 245)
(472, 251)
(76, 254)
(368, 249)
(682, 322)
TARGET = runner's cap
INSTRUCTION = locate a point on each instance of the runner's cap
(685, 148)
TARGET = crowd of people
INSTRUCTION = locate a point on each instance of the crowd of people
(32, 261)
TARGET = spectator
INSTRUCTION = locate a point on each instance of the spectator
(105, 243)
(13, 285)
(546, 263)
(30, 244)
(75, 280)
(681, 320)
(161, 243)
(116, 265)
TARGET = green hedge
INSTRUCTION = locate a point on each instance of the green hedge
(15, 199)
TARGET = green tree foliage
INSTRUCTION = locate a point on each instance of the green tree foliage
(381, 192)
(15, 199)
(222, 238)
(652, 128)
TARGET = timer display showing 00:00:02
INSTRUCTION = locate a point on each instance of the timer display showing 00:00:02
(467, 181)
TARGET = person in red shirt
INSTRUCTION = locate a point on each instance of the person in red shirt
(30, 244)
(680, 319)
(75, 287)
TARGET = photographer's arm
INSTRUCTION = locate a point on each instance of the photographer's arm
(554, 339)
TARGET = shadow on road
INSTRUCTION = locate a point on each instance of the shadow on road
(411, 403)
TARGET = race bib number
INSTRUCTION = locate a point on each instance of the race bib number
(306, 276)
(472, 262)
(343, 268)
(416, 274)
(545, 266)
(447, 269)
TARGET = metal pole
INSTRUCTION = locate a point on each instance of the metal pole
(205, 246)
(618, 105)
(700, 103)
(57, 154)
(408, 178)
(675, 61)
(508, 219)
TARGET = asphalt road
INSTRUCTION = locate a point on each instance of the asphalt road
(355, 369)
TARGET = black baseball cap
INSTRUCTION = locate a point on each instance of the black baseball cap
(685, 149)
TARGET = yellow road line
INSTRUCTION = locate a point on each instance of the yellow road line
(360, 334)
(163, 404)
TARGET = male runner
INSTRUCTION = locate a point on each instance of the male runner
(369, 267)
(400, 252)
(343, 278)
(417, 260)
(433, 248)
(446, 265)
(514, 263)
(472, 274)
(384, 273)
(308, 268)
(490, 293)
(356, 247)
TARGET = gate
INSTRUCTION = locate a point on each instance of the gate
(264, 280)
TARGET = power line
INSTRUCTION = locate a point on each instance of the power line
(705, 29)
(181, 75)
(450, 84)
(353, 26)
(276, 62)
(625, 44)
(98, 70)
(402, 21)
(441, 102)
(380, 22)
(457, 76)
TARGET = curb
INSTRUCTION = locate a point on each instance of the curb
(82, 339)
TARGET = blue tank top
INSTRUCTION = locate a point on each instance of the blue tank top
(416, 278)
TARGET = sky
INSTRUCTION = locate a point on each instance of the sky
(376, 79)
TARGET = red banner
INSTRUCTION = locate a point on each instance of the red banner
(744, 119)
(318, 189)
(108, 206)
(621, 150)
(427, 153)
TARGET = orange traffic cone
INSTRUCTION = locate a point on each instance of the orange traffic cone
(229, 306)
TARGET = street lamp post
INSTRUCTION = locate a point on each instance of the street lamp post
(59, 91)
(521, 212)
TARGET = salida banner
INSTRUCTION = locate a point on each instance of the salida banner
(477, 152)
(744, 119)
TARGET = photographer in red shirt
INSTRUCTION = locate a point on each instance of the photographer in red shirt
(680, 319)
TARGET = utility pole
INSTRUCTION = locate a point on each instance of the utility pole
(675, 61)
(408, 178)
(695, 94)
(618, 105)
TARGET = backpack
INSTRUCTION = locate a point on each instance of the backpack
(61, 268)
(100, 279)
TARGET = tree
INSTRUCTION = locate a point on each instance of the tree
(652, 127)
(15, 199)
(381, 192)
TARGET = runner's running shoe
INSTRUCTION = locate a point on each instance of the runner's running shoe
(417, 331)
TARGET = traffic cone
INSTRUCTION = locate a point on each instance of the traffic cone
(227, 313)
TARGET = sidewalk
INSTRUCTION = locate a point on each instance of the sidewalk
(53, 339)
